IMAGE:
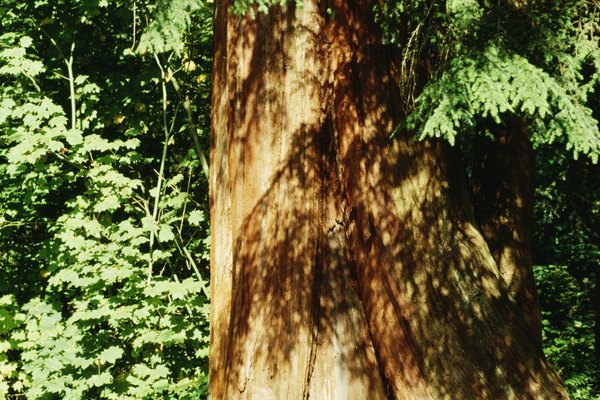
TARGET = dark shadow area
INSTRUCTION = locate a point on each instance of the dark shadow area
(503, 186)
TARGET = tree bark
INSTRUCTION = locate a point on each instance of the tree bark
(503, 195)
(345, 265)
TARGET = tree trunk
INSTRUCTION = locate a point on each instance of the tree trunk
(503, 194)
(345, 265)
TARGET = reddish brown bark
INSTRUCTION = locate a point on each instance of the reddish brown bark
(345, 265)
(287, 322)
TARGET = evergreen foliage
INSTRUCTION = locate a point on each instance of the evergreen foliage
(492, 83)
(487, 59)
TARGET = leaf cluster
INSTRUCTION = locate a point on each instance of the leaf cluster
(568, 328)
(464, 61)
(104, 289)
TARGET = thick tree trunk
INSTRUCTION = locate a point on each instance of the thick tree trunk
(503, 189)
(344, 265)
(286, 320)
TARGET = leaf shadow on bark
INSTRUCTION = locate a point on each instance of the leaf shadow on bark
(294, 314)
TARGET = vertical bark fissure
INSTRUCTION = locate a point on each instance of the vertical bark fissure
(347, 216)
(220, 204)
(352, 116)
(441, 163)
(321, 232)
(277, 325)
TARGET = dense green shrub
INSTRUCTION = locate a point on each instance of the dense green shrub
(568, 329)
(103, 228)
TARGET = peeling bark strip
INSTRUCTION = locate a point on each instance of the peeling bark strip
(344, 265)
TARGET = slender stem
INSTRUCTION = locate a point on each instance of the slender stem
(69, 63)
(187, 306)
(134, 23)
(32, 81)
(70, 76)
(194, 266)
(187, 190)
(161, 169)
(66, 160)
(197, 272)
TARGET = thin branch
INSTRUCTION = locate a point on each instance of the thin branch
(54, 43)
(191, 262)
(162, 164)
(32, 81)
(66, 160)
(193, 128)
(186, 305)
(134, 24)
(189, 184)
(60, 75)
(69, 63)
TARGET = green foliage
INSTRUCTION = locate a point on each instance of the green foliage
(242, 7)
(170, 22)
(89, 308)
(488, 59)
(10, 319)
(104, 229)
(566, 212)
(566, 244)
(568, 329)
(494, 83)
